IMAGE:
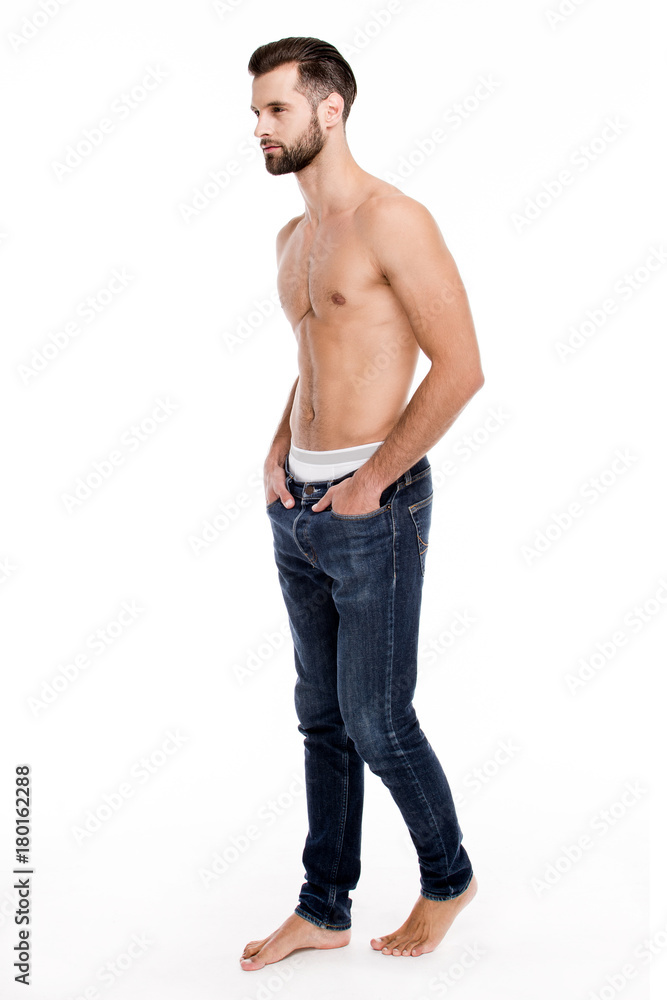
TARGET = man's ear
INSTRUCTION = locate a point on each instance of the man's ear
(335, 106)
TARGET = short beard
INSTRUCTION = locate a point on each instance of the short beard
(303, 152)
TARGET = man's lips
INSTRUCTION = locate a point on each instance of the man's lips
(270, 147)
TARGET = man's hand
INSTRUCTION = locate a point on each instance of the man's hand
(275, 485)
(350, 497)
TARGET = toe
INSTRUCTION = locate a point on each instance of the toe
(419, 948)
(256, 960)
(384, 943)
(250, 964)
(380, 942)
(398, 944)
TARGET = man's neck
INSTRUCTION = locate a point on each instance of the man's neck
(332, 183)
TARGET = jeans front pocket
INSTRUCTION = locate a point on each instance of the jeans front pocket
(386, 498)
(421, 517)
(360, 517)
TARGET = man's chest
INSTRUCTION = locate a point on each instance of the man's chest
(326, 272)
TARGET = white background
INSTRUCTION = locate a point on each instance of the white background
(177, 530)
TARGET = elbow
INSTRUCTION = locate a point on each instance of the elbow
(464, 379)
(471, 382)
(477, 381)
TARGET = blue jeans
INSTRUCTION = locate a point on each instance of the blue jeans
(352, 585)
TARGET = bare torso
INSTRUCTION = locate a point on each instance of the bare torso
(357, 354)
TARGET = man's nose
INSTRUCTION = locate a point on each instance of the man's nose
(261, 128)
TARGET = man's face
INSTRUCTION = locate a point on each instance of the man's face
(288, 129)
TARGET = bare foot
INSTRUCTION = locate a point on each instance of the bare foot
(294, 933)
(426, 926)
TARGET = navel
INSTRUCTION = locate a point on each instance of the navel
(338, 299)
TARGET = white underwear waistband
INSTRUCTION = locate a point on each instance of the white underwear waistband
(314, 466)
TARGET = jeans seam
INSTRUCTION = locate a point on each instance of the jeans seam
(418, 504)
(322, 923)
(306, 538)
(390, 672)
(422, 545)
(392, 627)
(415, 479)
(341, 835)
(430, 895)
(296, 540)
(361, 517)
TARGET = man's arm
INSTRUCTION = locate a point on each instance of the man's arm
(410, 252)
(274, 472)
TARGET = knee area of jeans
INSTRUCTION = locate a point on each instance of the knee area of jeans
(370, 718)
(371, 737)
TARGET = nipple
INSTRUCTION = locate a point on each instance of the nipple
(338, 299)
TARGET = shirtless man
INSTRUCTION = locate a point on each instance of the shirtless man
(366, 281)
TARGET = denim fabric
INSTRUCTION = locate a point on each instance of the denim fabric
(352, 586)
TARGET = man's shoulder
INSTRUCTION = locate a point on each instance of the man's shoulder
(288, 229)
(387, 208)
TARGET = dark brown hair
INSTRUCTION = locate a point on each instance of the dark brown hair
(321, 68)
